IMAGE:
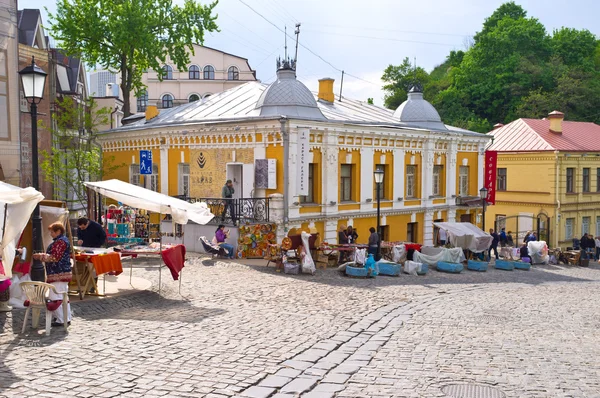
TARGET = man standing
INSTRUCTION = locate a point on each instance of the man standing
(227, 194)
(503, 238)
(494, 245)
(90, 233)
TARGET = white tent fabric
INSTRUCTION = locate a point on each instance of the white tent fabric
(453, 255)
(51, 215)
(16, 206)
(142, 198)
(466, 236)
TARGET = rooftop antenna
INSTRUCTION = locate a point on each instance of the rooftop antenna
(297, 32)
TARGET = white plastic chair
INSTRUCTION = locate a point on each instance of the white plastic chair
(37, 294)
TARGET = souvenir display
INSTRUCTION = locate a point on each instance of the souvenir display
(255, 240)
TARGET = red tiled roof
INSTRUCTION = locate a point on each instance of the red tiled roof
(535, 135)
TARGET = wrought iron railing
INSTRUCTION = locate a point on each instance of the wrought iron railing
(245, 210)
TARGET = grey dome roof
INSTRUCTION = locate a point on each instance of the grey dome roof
(289, 97)
(417, 111)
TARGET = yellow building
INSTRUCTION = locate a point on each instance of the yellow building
(311, 155)
(548, 172)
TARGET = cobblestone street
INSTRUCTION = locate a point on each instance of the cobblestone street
(248, 331)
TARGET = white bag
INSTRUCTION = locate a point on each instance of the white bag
(399, 254)
(411, 267)
(360, 256)
(17, 296)
(308, 265)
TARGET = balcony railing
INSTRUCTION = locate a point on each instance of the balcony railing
(470, 201)
(245, 210)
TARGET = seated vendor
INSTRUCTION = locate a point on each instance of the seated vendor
(220, 236)
(90, 233)
(525, 253)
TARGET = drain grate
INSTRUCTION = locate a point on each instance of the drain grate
(472, 391)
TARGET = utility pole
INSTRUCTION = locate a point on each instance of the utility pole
(341, 86)
(297, 32)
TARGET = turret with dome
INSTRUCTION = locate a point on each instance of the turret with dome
(418, 112)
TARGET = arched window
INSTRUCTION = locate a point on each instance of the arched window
(193, 98)
(167, 101)
(194, 72)
(209, 73)
(233, 73)
(167, 72)
(142, 101)
(206, 96)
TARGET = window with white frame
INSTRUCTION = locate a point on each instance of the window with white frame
(411, 181)
(167, 101)
(142, 101)
(209, 73)
(569, 223)
(597, 226)
(585, 225)
(436, 189)
(346, 183)
(184, 179)
(153, 179)
(463, 181)
(233, 73)
(167, 72)
(194, 72)
(134, 174)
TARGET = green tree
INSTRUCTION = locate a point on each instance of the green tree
(507, 10)
(399, 79)
(75, 157)
(575, 47)
(131, 36)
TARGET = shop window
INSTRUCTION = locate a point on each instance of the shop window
(501, 180)
(194, 73)
(134, 174)
(411, 181)
(585, 225)
(184, 179)
(310, 198)
(463, 181)
(411, 232)
(570, 180)
(233, 73)
(436, 189)
(346, 183)
(569, 223)
(586, 180)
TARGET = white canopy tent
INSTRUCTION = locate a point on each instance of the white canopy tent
(16, 206)
(142, 198)
(466, 236)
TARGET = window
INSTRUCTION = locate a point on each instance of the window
(585, 225)
(569, 222)
(501, 180)
(463, 181)
(194, 98)
(184, 179)
(194, 72)
(586, 180)
(411, 181)
(346, 183)
(4, 127)
(167, 101)
(500, 222)
(209, 73)
(134, 174)
(597, 226)
(411, 232)
(570, 180)
(233, 73)
(436, 189)
(167, 72)
(310, 198)
(384, 233)
(383, 192)
(152, 179)
(142, 101)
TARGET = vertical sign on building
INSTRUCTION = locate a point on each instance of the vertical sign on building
(145, 162)
(491, 158)
(302, 163)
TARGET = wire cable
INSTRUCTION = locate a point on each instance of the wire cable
(380, 38)
(391, 30)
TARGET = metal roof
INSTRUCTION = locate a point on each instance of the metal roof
(531, 135)
(417, 110)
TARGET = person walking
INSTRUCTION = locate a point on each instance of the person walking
(342, 241)
(227, 194)
(494, 245)
(373, 241)
(503, 238)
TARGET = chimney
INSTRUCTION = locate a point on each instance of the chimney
(498, 125)
(151, 112)
(326, 89)
(556, 118)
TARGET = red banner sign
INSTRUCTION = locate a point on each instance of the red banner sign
(489, 178)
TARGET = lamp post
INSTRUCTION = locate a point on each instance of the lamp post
(378, 174)
(33, 80)
(483, 193)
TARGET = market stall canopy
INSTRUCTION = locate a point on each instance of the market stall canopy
(142, 198)
(466, 236)
(16, 206)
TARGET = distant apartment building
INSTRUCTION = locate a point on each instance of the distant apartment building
(99, 81)
(210, 71)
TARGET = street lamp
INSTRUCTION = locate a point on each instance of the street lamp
(378, 174)
(483, 193)
(33, 80)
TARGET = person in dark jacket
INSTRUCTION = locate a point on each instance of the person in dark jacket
(351, 234)
(587, 244)
(90, 233)
(227, 194)
(494, 245)
(373, 240)
(524, 253)
(509, 239)
(342, 240)
(503, 237)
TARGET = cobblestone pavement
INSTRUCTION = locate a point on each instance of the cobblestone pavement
(247, 331)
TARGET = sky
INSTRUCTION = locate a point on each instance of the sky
(362, 37)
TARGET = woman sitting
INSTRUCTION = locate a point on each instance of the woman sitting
(58, 270)
(220, 236)
(525, 253)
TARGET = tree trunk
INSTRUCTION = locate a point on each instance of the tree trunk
(126, 88)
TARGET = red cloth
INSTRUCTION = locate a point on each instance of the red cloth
(174, 258)
(413, 246)
(22, 268)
